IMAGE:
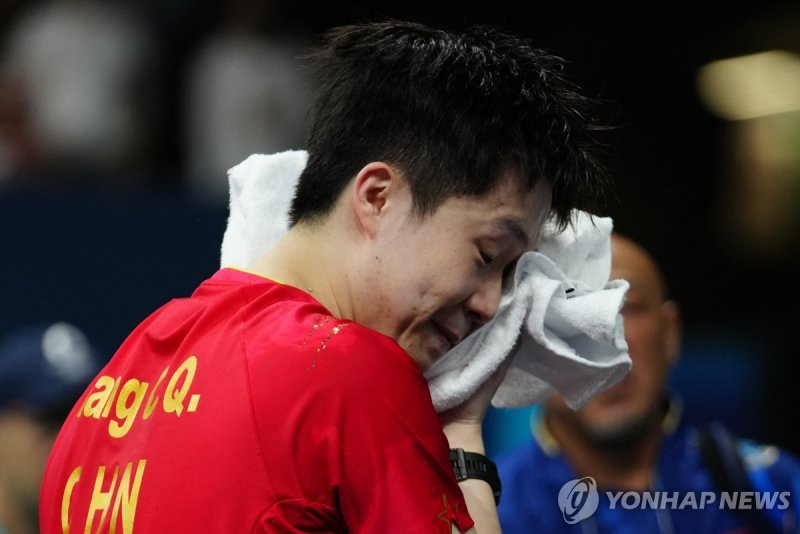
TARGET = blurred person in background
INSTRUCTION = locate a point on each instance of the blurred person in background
(43, 369)
(77, 95)
(631, 438)
(246, 94)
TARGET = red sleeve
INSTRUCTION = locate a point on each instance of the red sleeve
(395, 466)
(364, 437)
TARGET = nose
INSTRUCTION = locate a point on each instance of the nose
(482, 305)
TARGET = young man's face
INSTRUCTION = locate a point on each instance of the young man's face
(439, 277)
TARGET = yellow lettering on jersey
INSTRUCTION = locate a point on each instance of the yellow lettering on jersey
(125, 497)
(101, 500)
(97, 400)
(174, 396)
(109, 402)
(152, 400)
(126, 411)
(123, 404)
(73, 479)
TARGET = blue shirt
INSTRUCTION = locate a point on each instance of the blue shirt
(534, 473)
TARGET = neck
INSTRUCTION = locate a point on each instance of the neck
(627, 463)
(309, 260)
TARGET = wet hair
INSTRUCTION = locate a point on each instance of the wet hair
(454, 112)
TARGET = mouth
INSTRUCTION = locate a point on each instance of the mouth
(450, 337)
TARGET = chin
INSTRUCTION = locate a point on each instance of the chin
(423, 356)
(424, 349)
(616, 431)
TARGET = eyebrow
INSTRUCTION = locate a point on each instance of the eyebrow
(515, 229)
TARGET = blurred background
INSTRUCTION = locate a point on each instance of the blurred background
(118, 121)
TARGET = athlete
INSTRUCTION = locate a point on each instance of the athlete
(630, 438)
(288, 395)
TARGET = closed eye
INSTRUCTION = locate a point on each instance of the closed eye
(486, 258)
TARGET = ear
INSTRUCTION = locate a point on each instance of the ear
(375, 192)
(673, 325)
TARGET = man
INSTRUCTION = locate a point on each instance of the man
(630, 439)
(290, 397)
(43, 370)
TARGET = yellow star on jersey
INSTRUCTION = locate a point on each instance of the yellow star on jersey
(444, 515)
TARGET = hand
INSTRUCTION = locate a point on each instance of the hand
(462, 424)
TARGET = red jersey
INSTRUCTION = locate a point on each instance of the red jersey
(249, 408)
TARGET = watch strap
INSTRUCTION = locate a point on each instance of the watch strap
(473, 465)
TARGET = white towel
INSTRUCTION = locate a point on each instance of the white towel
(564, 314)
(559, 305)
(261, 188)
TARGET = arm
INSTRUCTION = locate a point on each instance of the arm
(463, 427)
(377, 440)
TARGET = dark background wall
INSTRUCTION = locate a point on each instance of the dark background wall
(105, 257)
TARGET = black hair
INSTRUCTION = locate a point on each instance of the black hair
(453, 112)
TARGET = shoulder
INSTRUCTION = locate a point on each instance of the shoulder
(365, 361)
(287, 317)
(293, 337)
(747, 463)
(760, 457)
(303, 331)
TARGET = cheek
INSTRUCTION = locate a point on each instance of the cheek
(456, 285)
(446, 278)
(410, 291)
(428, 268)
(646, 348)
(641, 333)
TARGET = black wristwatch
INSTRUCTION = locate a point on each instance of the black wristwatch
(473, 465)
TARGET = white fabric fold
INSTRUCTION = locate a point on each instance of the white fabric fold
(261, 189)
(559, 320)
(558, 317)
